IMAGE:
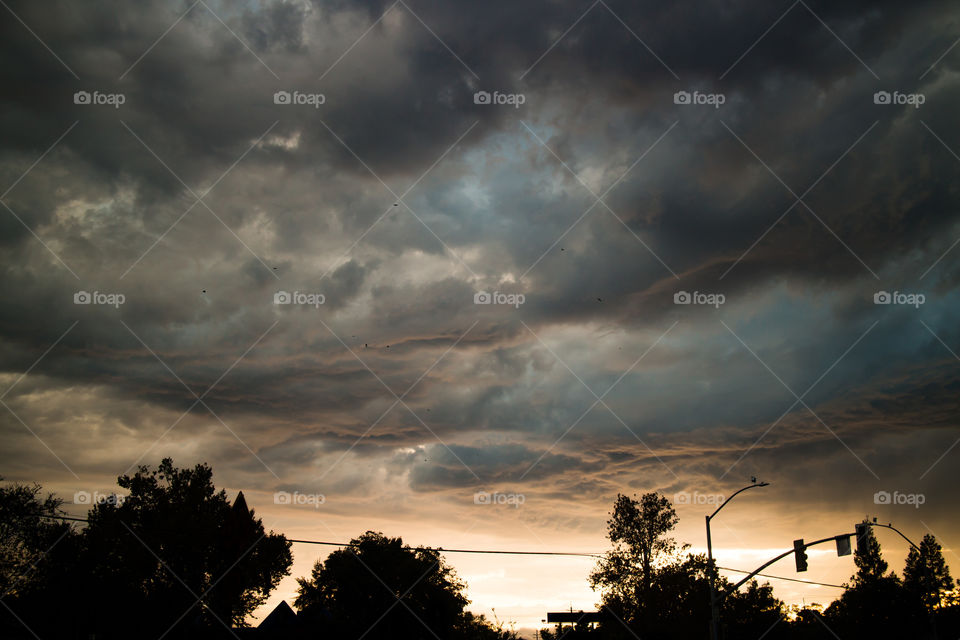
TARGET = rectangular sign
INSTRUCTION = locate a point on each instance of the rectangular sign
(843, 545)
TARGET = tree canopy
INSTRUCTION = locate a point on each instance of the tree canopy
(178, 550)
(926, 574)
(31, 542)
(651, 589)
(380, 588)
(173, 556)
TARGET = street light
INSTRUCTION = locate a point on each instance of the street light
(926, 569)
(714, 607)
(892, 528)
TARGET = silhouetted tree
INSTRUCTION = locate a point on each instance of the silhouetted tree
(655, 593)
(175, 554)
(477, 627)
(37, 553)
(638, 530)
(380, 588)
(875, 602)
(926, 574)
(27, 533)
(753, 613)
(870, 563)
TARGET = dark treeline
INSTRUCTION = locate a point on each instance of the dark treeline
(175, 559)
(651, 589)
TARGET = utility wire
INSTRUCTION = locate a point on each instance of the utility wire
(504, 552)
(518, 553)
(348, 544)
(43, 515)
(765, 575)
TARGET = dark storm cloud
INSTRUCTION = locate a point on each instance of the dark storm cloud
(200, 115)
(296, 204)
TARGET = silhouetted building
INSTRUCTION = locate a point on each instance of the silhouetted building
(282, 619)
(282, 623)
(579, 623)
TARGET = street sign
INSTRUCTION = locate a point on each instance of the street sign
(584, 617)
(843, 545)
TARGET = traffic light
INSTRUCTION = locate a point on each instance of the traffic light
(863, 531)
(800, 554)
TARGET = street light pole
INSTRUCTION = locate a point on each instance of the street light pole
(933, 622)
(711, 570)
(893, 528)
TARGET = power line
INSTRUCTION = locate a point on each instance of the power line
(444, 550)
(765, 575)
(43, 515)
(348, 544)
(505, 552)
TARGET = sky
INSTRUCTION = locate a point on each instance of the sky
(462, 272)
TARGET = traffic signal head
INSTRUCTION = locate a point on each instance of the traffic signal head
(863, 531)
(800, 554)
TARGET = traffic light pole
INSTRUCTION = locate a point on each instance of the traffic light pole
(780, 557)
(715, 599)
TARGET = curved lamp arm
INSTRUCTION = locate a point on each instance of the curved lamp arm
(723, 504)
